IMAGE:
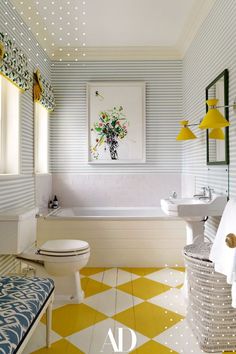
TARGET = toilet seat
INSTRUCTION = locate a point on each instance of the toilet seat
(64, 248)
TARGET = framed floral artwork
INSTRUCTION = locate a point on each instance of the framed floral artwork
(116, 122)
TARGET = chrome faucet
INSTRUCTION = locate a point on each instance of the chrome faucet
(209, 196)
(204, 189)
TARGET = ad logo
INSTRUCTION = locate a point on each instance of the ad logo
(118, 347)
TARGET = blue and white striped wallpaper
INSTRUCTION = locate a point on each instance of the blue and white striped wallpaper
(163, 111)
(212, 50)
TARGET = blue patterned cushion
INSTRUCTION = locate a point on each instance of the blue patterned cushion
(21, 299)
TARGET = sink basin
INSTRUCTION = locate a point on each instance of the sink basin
(194, 207)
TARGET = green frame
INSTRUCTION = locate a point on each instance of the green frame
(225, 75)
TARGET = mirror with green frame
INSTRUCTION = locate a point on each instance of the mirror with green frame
(218, 144)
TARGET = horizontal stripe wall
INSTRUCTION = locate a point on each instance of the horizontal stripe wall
(212, 51)
(163, 110)
(19, 191)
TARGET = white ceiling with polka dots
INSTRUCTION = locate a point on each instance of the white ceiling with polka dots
(82, 29)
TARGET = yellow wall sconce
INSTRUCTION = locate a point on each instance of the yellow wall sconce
(185, 133)
(217, 134)
(213, 119)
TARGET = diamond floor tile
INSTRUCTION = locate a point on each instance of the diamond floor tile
(170, 277)
(60, 347)
(73, 318)
(148, 319)
(143, 288)
(92, 287)
(114, 277)
(94, 339)
(152, 347)
(146, 300)
(38, 339)
(112, 301)
(172, 300)
(90, 271)
(141, 271)
(180, 338)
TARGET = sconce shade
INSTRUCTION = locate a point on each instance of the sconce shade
(216, 133)
(185, 133)
(213, 118)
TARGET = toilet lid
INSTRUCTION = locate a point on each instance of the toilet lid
(64, 247)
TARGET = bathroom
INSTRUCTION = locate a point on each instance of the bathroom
(134, 269)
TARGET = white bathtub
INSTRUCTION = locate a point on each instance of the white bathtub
(122, 237)
(114, 213)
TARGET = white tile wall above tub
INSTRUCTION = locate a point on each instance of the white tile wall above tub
(43, 186)
(115, 190)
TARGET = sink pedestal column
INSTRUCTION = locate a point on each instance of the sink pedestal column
(194, 228)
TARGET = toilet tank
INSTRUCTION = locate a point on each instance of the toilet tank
(17, 230)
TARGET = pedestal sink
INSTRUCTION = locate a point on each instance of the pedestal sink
(193, 211)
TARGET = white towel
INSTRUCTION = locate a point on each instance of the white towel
(223, 256)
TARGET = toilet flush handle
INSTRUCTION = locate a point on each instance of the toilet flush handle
(231, 240)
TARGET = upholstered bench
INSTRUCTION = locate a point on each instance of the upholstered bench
(23, 301)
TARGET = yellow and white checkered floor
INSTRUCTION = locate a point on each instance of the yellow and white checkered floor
(146, 300)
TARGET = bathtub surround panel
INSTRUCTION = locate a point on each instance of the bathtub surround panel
(212, 51)
(123, 243)
(119, 190)
(19, 191)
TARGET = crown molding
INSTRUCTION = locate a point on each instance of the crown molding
(198, 14)
(197, 17)
(117, 53)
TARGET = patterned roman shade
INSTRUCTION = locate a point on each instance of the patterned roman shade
(43, 92)
(14, 63)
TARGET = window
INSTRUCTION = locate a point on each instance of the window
(9, 127)
(41, 138)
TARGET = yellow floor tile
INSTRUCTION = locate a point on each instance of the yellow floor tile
(143, 288)
(92, 287)
(60, 347)
(141, 271)
(152, 347)
(148, 319)
(91, 271)
(69, 319)
(181, 269)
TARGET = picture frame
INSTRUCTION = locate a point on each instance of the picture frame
(116, 122)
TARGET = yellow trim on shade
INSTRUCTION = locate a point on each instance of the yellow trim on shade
(213, 118)
(185, 133)
(7, 78)
(212, 102)
(2, 50)
(217, 133)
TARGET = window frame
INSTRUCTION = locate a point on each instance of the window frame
(37, 172)
(4, 164)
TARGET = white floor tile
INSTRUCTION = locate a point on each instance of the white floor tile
(112, 301)
(180, 338)
(114, 277)
(172, 300)
(38, 339)
(91, 340)
(167, 276)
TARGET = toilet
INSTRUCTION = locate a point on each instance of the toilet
(59, 259)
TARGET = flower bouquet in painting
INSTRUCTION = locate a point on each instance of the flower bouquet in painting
(110, 129)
